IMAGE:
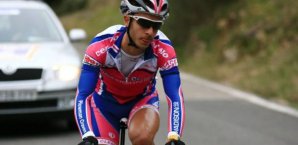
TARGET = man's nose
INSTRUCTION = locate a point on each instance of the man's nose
(151, 31)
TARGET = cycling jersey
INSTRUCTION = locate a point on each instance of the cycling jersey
(104, 78)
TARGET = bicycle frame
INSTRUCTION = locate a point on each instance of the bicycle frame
(123, 127)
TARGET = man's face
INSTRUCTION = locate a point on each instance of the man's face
(144, 28)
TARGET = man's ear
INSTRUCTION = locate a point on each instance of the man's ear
(126, 20)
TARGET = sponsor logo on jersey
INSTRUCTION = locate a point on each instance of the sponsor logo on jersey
(101, 51)
(90, 61)
(170, 63)
(163, 52)
(80, 115)
(112, 135)
(105, 141)
(128, 80)
(176, 116)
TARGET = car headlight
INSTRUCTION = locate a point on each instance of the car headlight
(67, 72)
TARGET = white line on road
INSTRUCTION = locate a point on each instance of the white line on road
(241, 95)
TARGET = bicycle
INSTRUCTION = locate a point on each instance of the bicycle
(123, 127)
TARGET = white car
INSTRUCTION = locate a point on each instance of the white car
(39, 67)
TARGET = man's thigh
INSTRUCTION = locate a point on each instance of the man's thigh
(103, 129)
(144, 118)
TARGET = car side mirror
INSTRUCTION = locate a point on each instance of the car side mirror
(77, 34)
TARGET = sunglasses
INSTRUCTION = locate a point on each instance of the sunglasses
(148, 23)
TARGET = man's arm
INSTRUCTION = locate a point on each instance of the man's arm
(86, 86)
(175, 99)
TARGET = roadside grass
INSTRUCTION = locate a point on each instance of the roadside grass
(99, 15)
(251, 46)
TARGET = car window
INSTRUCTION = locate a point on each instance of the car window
(27, 25)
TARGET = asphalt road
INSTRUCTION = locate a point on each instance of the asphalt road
(213, 117)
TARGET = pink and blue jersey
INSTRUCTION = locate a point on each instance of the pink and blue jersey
(102, 79)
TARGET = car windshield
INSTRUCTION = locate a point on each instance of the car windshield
(27, 25)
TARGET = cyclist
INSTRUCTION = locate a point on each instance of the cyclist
(119, 75)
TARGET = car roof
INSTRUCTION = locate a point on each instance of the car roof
(32, 4)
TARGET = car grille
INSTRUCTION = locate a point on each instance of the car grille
(22, 74)
(28, 104)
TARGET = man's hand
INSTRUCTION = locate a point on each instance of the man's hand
(90, 140)
(174, 139)
(175, 142)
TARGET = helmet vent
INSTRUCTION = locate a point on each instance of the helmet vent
(157, 1)
(149, 4)
(134, 2)
(164, 7)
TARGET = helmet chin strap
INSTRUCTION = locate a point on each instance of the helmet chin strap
(130, 41)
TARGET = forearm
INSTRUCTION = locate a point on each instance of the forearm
(175, 99)
(86, 86)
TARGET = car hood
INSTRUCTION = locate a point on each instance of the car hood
(37, 55)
